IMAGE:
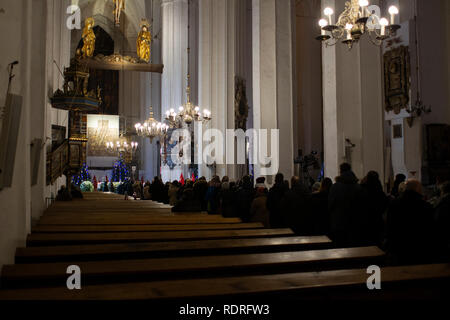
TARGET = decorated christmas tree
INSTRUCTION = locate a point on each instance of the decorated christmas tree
(120, 171)
(82, 176)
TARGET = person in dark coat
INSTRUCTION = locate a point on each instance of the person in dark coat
(157, 190)
(296, 208)
(212, 196)
(276, 194)
(200, 188)
(63, 194)
(187, 203)
(228, 199)
(244, 198)
(375, 205)
(347, 217)
(319, 207)
(258, 210)
(410, 226)
(398, 180)
(442, 216)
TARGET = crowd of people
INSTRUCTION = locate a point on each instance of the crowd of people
(351, 212)
(411, 226)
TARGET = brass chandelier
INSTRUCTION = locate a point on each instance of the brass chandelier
(355, 21)
(151, 128)
(187, 113)
(122, 147)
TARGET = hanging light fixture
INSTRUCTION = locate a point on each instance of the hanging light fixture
(187, 113)
(355, 21)
(151, 128)
(418, 108)
(122, 146)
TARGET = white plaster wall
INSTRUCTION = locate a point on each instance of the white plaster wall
(353, 107)
(309, 124)
(15, 211)
(273, 78)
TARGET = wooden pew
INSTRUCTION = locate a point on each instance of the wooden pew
(49, 239)
(50, 274)
(141, 228)
(403, 282)
(134, 219)
(168, 249)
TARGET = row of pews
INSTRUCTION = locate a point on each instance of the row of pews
(133, 250)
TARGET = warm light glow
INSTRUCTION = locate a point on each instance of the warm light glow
(328, 11)
(323, 23)
(393, 10)
(384, 22)
(363, 3)
(348, 26)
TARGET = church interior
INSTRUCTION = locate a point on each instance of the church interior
(200, 150)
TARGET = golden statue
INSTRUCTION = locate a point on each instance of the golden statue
(144, 41)
(88, 38)
(119, 5)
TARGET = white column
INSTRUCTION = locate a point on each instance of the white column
(174, 57)
(352, 105)
(273, 77)
(217, 71)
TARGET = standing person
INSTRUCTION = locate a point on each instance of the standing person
(261, 183)
(276, 194)
(409, 226)
(244, 198)
(157, 189)
(347, 219)
(375, 205)
(319, 207)
(442, 221)
(258, 211)
(228, 199)
(200, 188)
(296, 208)
(212, 195)
(399, 178)
(173, 192)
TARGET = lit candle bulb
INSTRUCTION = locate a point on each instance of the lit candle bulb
(323, 23)
(349, 28)
(363, 4)
(393, 10)
(328, 12)
(384, 23)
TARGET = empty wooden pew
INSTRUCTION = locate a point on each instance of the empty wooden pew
(49, 274)
(133, 219)
(403, 282)
(49, 239)
(142, 228)
(168, 249)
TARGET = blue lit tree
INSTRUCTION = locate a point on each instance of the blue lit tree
(120, 171)
(82, 176)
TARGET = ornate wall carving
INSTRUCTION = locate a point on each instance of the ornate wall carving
(397, 79)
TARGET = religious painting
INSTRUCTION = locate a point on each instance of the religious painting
(58, 136)
(102, 129)
(397, 80)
